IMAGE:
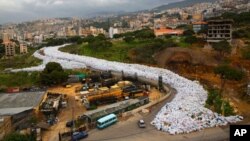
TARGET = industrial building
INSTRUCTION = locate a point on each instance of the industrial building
(16, 109)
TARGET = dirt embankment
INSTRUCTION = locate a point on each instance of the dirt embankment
(194, 56)
(197, 64)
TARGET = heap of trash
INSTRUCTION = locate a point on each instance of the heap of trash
(184, 114)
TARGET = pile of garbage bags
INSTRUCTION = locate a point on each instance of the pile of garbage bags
(184, 114)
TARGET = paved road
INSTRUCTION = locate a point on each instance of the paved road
(129, 131)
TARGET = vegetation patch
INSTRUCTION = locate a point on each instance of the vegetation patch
(20, 61)
(19, 137)
(216, 103)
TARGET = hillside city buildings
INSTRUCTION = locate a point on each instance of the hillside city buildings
(35, 33)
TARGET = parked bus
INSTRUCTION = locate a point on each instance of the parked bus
(106, 121)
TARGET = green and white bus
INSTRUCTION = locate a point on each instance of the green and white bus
(106, 121)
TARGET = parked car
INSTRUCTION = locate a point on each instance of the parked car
(70, 123)
(141, 124)
(79, 135)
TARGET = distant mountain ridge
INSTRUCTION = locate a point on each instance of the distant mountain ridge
(180, 4)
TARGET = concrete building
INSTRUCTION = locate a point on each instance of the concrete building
(96, 31)
(38, 39)
(112, 32)
(70, 31)
(5, 37)
(198, 26)
(19, 107)
(10, 49)
(28, 36)
(197, 17)
(23, 49)
(219, 30)
(5, 126)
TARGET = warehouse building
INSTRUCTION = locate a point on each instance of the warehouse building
(16, 109)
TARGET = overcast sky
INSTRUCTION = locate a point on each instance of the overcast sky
(23, 10)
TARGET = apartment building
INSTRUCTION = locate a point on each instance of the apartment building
(219, 30)
(9, 49)
(23, 49)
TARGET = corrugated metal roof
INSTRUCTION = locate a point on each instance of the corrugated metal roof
(17, 100)
(13, 111)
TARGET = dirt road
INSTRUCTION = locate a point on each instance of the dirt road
(65, 114)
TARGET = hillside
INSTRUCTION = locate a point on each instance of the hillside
(180, 4)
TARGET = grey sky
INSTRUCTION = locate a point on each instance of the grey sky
(22, 10)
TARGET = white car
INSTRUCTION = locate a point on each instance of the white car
(141, 124)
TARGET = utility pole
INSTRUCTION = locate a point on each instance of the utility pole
(160, 83)
(73, 121)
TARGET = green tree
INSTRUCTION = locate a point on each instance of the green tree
(191, 39)
(19, 137)
(217, 104)
(100, 37)
(89, 38)
(188, 32)
(228, 109)
(212, 94)
(168, 36)
(214, 100)
(246, 54)
(129, 39)
(53, 74)
(144, 34)
(223, 47)
(74, 39)
(79, 41)
(116, 36)
(100, 44)
(228, 73)
(2, 50)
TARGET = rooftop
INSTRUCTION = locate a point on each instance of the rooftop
(198, 23)
(221, 20)
(168, 31)
(20, 100)
(103, 119)
(13, 111)
(102, 111)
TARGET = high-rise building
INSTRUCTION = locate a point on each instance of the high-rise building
(9, 49)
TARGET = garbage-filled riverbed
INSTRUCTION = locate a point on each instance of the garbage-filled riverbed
(184, 114)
